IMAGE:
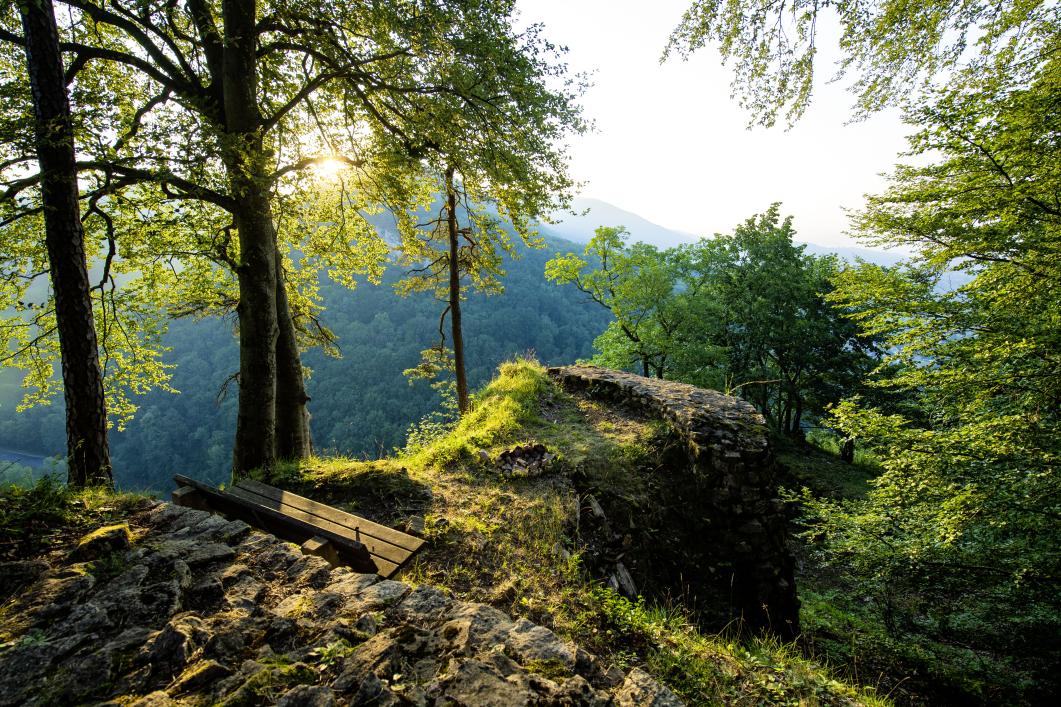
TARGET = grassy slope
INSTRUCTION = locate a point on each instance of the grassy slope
(516, 542)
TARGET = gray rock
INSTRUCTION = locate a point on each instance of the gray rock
(207, 553)
(102, 542)
(367, 625)
(307, 696)
(577, 691)
(171, 648)
(641, 690)
(244, 594)
(155, 699)
(377, 596)
(476, 684)
(233, 573)
(472, 627)
(80, 678)
(527, 643)
(350, 585)
(198, 676)
(421, 605)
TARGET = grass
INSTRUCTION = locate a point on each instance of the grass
(716, 669)
(522, 545)
(817, 466)
(37, 518)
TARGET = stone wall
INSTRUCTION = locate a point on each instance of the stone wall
(732, 467)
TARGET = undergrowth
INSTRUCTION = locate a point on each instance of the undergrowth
(36, 518)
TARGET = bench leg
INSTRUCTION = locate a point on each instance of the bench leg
(321, 547)
(189, 498)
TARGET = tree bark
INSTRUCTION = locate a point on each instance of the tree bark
(88, 455)
(293, 439)
(847, 450)
(463, 402)
(245, 163)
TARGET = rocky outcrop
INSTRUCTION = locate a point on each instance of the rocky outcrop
(202, 610)
(731, 468)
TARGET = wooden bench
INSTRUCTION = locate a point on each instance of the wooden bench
(339, 537)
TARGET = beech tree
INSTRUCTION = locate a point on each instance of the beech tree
(88, 456)
(499, 161)
(893, 49)
(239, 110)
(955, 545)
(638, 286)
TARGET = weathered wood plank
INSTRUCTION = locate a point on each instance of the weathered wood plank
(283, 526)
(189, 498)
(388, 535)
(387, 557)
(321, 547)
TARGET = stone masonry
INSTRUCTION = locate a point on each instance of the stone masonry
(731, 460)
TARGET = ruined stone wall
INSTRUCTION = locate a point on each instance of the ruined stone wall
(733, 469)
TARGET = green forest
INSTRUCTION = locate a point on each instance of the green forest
(309, 244)
(362, 404)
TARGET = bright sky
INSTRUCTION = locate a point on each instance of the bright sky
(673, 147)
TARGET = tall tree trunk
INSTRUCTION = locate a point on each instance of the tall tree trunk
(245, 163)
(293, 439)
(646, 371)
(88, 455)
(455, 295)
(847, 450)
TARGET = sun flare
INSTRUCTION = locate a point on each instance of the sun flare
(329, 168)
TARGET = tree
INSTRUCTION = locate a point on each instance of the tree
(967, 505)
(88, 457)
(461, 255)
(744, 313)
(894, 48)
(787, 349)
(637, 285)
(499, 162)
(238, 127)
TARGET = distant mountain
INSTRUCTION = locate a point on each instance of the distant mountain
(852, 253)
(580, 228)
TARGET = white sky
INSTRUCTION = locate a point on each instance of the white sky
(673, 147)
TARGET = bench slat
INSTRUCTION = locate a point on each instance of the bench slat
(367, 527)
(280, 524)
(387, 557)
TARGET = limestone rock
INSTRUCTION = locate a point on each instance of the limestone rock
(529, 643)
(640, 690)
(171, 648)
(102, 542)
(89, 640)
(307, 696)
(422, 604)
(155, 699)
(203, 673)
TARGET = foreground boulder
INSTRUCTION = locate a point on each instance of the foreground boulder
(201, 610)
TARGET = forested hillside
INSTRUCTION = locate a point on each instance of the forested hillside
(361, 404)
